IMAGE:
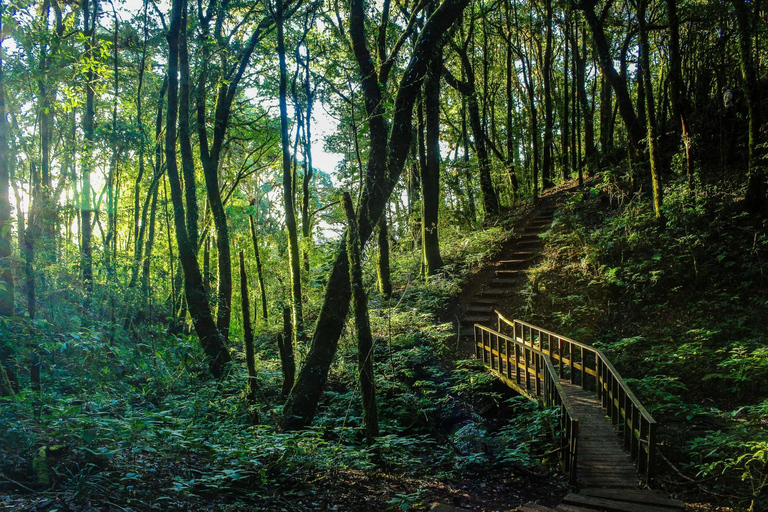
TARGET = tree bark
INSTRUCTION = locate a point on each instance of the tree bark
(603, 50)
(86, 252)
(547, 172)
(287, 358)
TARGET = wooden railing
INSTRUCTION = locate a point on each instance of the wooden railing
(576, 363)
(529, 371)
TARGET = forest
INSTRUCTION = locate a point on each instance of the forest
(238, 239)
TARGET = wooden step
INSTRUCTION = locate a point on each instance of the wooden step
(513, 263)
(506, 274)
(479, 308)
(476, 319)
(522, 255)
(636, 496)
(505, 283)
(494, 292)
(533, 507)
(525, 238)
(571, 508)
(614, 505)
(480, 299)
(467, 332)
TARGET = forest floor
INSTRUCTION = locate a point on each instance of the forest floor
(126, 428)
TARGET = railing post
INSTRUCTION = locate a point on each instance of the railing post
(651, 469)
(537, 366)
(560, 357)
(583, 368)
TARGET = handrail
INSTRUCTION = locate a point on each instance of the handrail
(583, 364)
(546, 386)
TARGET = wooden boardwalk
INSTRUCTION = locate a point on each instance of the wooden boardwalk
(607, 437)
(607, 440)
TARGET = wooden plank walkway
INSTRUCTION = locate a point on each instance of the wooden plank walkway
(602, 462)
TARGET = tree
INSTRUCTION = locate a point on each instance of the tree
(386, 160)
(210, 337)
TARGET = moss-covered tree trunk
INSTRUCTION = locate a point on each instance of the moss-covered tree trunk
(363, 326)
(430, 173)
(382, 267)
(245, 306)
(650, 112)
(259, 270)
(288, 188)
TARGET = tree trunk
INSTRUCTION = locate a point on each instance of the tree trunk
(7, 295)
(603, 50)
(210, 338)
(467, 89)
(580, 59)
(250, 361)
(287, 359)
(288, 194)
(384, 169)
(185, 141)
(89, 32)
(547, 173)
(755, 194)
(650, 112)
(430, 173)
(363, 326)
(383, 274)
(259, 271)
(565, 140)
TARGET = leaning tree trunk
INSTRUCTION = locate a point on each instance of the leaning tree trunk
(386, 160)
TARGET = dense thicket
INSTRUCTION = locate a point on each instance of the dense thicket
(139, 148)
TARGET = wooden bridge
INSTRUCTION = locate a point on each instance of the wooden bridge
(607, 438)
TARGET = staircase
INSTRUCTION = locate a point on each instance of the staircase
(608, 438)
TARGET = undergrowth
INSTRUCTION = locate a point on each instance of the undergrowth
(137, 425)
(681, 311)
